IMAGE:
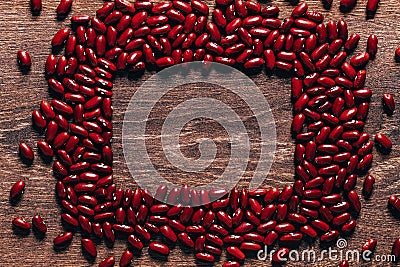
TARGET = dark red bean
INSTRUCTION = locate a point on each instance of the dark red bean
(17, 190)
(159, 248)
(24, 59)
(236, 252)
(64, 7)
(372, 6)
(354, 200)
(359, 59)
(203, 256)
(60, 37)
(63, 239)
(36, 6)
(20, 224)
(231, 264)
(368, 185)
(126, 258)
(372, 45)
(39, 225)
(383, 141)
(349, 227)
(370, 245)
(108, 262)
(389, 103)
(26, 152)
(396, 249)
(299, 10)
(347, 4)
(352, 42)
(89, 247)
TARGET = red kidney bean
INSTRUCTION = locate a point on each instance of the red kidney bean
(383, 141)
(231, 264)
(64, 7)
(26, 152)
(24, 59)
(372, 45)
(368, 185)
(39, 225)
(359, 59)
(389, 103)
(372, 6)
(89, 247)
(126, 258)
(80, 19)
(159, 248)
(352, 42)
(63, 239)
(396, 249)
(397, 54)
(370, 245)
(60, 37)
(354, 200)
(36, 6)
(107, 262)
(346, 5)
(17, 190)
(203, 256)
(299, 10)
(236, 252)
(279, 255)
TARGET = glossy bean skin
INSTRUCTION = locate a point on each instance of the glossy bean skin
(24, 59)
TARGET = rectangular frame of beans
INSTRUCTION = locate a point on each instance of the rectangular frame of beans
(285, 146)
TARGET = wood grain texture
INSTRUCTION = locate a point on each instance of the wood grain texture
(20, 94)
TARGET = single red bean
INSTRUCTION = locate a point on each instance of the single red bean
(383, 141)
(397, 54)
(26, 152)
(236, 252)
(347, 4)
(203, 256)
(64, 7)
(126, 258)
(39, 225)
(108, 262)
(368, 185)
(89, 247)
(60, 37)
(352, 42)
(396, 249)
(359, 59)
(372, 45)
(354, 200)
(372, 6)
(159, 248)
(24, 59)
(231, 264)
(299, 10)
(349, 227)
(370, 245)
(389, 103)
(279, 256)
(330, 236)
(36, 6)
(17, 190)
(63, 239)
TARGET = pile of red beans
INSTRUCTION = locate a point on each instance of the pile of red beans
(330, 108)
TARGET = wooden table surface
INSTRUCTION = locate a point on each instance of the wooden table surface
(20, 94)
